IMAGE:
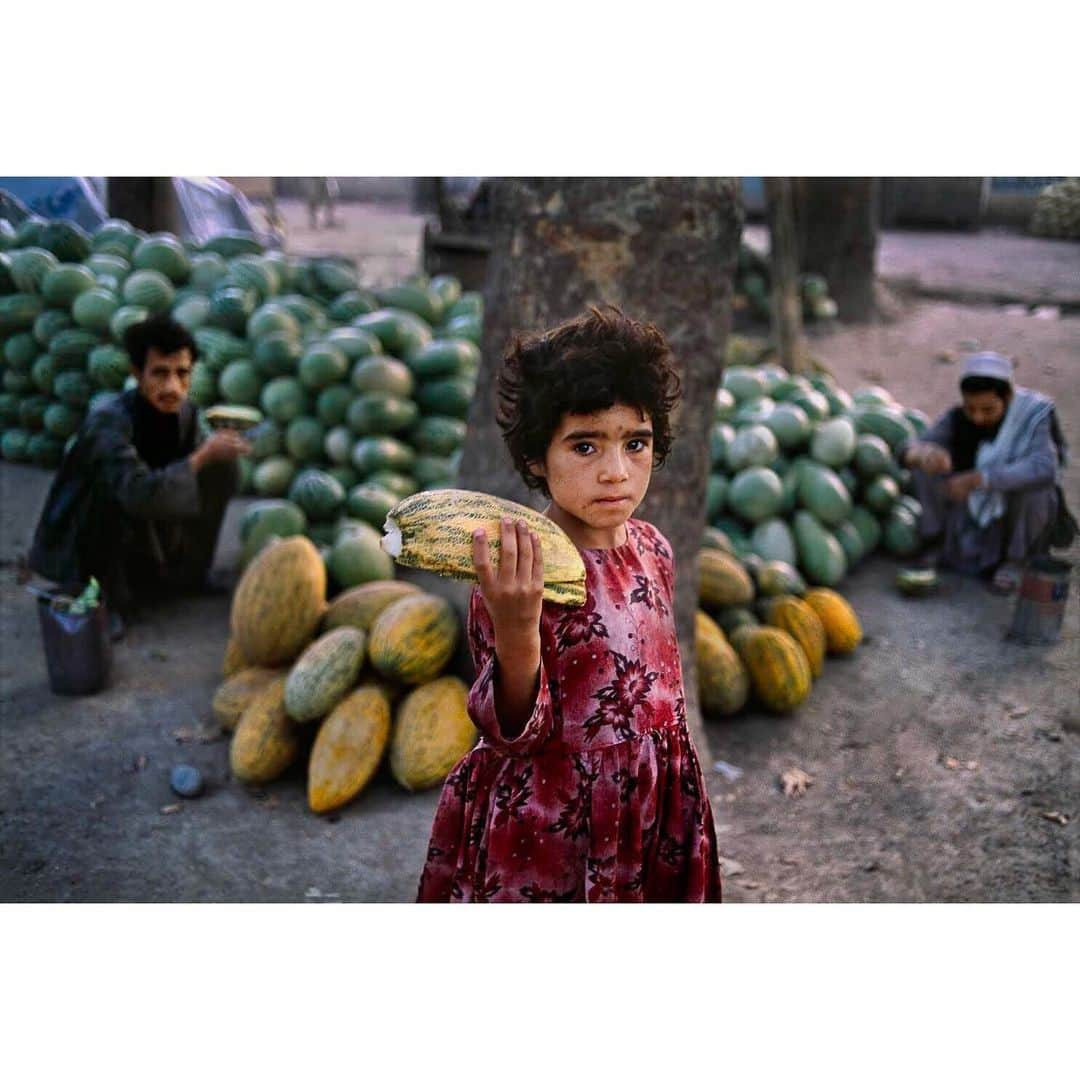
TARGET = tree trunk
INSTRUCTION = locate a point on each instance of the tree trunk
(838, 232)
(147, 202)
(663, 250)
(784, 261)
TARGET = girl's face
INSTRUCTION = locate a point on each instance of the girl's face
(597, 468)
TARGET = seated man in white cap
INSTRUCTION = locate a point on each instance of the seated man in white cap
(987, 475)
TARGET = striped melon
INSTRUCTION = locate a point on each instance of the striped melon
(432, 530)
(432, 733)
(723, 684)
(238, 691)
(359, 606)
(266, 741)
(843, 631)
(722, 580)
(778, 668)
(348, 749)
(801, 621)
(413, 639)
(279, 602)
(324, 674)
(233, 660)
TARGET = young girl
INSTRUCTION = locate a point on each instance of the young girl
(585, 784)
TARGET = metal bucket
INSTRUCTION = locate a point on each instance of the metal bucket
(1040, 602)
(78, 651)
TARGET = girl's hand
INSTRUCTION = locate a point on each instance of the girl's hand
(514, 594)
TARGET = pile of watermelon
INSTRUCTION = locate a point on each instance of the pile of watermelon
(753, 289)
(804, 478)
(364, 390)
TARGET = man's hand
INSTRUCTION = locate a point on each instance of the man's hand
(226, 445)
(514, 594)
(960, 486)
(932, 459)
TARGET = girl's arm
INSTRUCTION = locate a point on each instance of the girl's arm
(512, 595)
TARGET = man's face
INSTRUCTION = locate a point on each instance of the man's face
(165, 379)
(984, 409)
(598, 466)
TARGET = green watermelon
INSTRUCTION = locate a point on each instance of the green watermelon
(20, 350)
(900, 535)
(277, 353)
(304, 439)
(15, 445)
(332, 404)
(321, 365)
(880, 494)
(207, 270)
(267, 518)
(125, 317)
(32, 412)
(789, 387)
(94, 309)
(447, 288)
(822, 492)
(63, 283)
(357, 557)
(338, 445)
(821, 558)
(192, 312)
(438, 435)
(46, 449)
(469, 327)
(18, 382)
(62, 419)
(419, 301)
(447, 356)
(165, 254)
(333, 277)
(790, 424)
(18, 311)
(73, 388)
(251, 273)
(273, 318)
(869, 528)
(401, 485)
(724, 405)
(872, 456)
(232, 242)
(873, 395)
(833, 442)
(850, 539)
(240, 383)
(108, 367)
(429, 470)
(351, 305)
(70, 348)
(753, 445)
(382, 453)
(755, 411)
(42, 374)
(115, 237)
(231, 307)
(716, 489)
(446, 397)
(772, 539)
(889, 423)
(283, 399)
(755, 493)
(744, 383)
(382, 374)
(49, 323)
(273, 476)
(401, 333)
(149, 289)
(370, 503)
(355, 343)
(320, 496)
(381, 414)
(66, 240)
(813, 402)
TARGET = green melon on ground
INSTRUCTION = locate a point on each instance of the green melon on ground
(319, 495)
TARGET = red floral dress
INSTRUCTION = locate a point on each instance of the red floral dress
(601, 797)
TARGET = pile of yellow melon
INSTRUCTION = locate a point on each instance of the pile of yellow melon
(763, 641)
(365, 673)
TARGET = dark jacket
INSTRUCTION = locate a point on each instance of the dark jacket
(103, 486)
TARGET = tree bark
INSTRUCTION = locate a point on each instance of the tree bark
(663, 250)
(837, 222)
(784, 258)
(147, 202)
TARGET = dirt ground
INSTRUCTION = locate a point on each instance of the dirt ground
(935, 751)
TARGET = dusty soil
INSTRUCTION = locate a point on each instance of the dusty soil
(935, 751)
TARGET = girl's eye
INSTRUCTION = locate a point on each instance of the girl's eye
(636, 445)
(582, 448)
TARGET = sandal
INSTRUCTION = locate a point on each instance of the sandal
(1006, 579)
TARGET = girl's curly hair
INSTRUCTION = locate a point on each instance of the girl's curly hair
(600, 359)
